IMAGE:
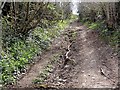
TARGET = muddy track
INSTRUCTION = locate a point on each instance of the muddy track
(95, 63)
(86, 61)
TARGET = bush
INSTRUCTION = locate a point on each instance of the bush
(112, 37)
(18, 52)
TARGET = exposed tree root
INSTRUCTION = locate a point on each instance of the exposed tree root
(66, 56)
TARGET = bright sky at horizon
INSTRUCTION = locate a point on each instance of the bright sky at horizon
(74, 7)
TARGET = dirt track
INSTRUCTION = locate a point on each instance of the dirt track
(93, 63)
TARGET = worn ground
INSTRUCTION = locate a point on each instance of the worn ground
(91, 64)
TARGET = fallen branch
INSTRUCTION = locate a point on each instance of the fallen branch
(104, 74)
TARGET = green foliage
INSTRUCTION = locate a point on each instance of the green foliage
(47, 69)
(85, 20)
(94, 25)
(20, 52)
(112, 37)
(87, 23)
(23, 41)
(16, 58)
(7, 33)
(95, 17)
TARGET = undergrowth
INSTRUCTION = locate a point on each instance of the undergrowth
(18, 52)
(110, 36)
(38, 82)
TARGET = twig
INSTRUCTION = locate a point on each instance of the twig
(103, 73)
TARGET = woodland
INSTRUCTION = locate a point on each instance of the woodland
(45, 45)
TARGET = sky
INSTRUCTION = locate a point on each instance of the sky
(74, 7)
